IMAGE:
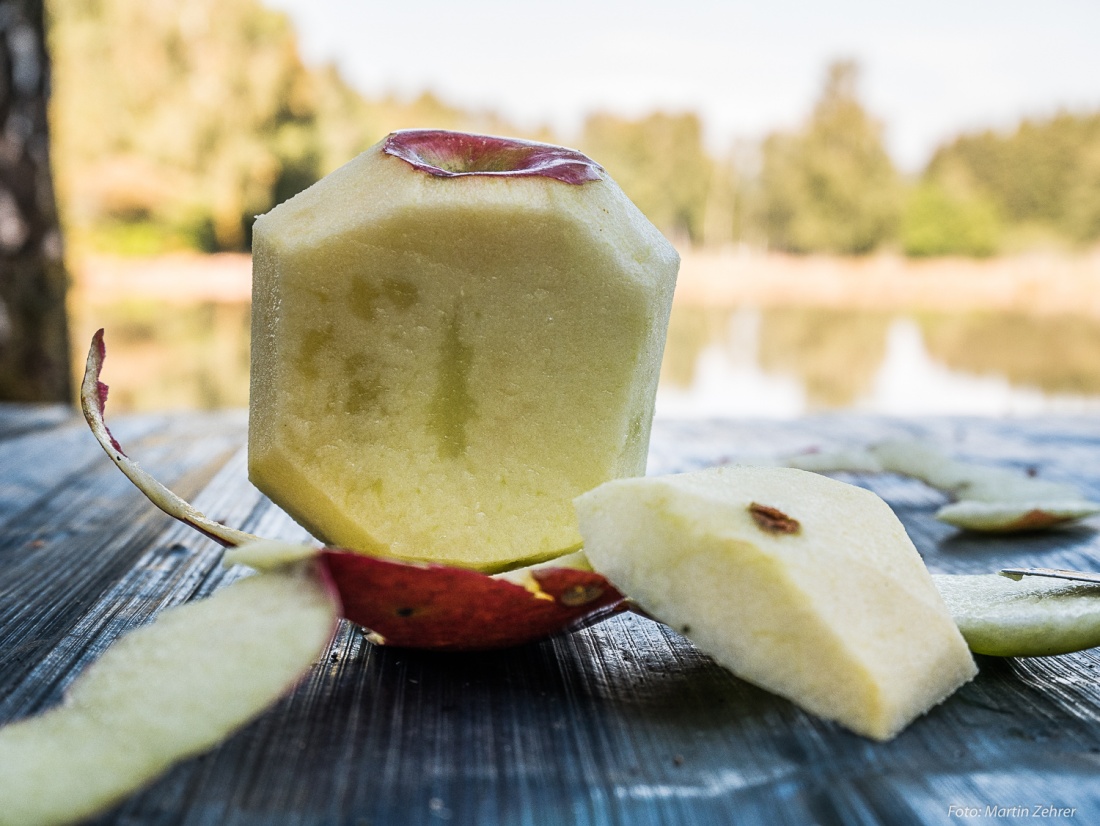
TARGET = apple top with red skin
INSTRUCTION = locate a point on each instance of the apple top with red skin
(448, 154)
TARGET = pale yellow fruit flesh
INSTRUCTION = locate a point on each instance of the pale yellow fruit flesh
(990, 499)
(441, 365)
(840, 617)
(1032, 617)
(164, 692)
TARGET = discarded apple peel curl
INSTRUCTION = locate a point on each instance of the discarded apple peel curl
(988, 499)
(404, 604)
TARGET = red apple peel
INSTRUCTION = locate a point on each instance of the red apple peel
(404, 604)
(93, 401)
(453, 609)
(447, 154)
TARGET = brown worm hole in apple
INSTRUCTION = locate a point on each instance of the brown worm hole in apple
(452, 154)
(428, 606)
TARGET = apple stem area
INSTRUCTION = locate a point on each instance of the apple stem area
(621, 723)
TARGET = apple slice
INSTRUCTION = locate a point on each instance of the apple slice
(1015, 517)
(1031, 617)
(165, 692)
(403, 604)
(798, 583)
(989, 500)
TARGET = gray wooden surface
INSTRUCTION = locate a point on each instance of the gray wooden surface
(623, 723)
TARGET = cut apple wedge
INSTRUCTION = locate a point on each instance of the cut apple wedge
(404, 604)
(1032, 617)
(801, 584)
(165, 692)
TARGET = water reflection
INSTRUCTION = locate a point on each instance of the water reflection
(718, 361)
(787, 362)
(164, 355)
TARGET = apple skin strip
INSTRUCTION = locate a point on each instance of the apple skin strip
(443, 608)
(165, 692)
(404, 604)
(452, 609)
(93, 402)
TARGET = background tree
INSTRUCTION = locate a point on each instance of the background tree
(660, 163)
(830, 186)
(1043, 177)
(34, 355)
(205, 116)
(937, 221)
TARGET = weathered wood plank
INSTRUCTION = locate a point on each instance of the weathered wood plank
(623, 723)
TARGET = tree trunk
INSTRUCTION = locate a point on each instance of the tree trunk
(34, 340)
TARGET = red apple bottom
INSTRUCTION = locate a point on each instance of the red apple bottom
(442, 608)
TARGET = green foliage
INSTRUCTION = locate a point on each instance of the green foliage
(936, 223)
(163, 110)
(1043, 174)
(175, 123)
(830, 186)
(660, 163)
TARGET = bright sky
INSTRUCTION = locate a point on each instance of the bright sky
(930, 68)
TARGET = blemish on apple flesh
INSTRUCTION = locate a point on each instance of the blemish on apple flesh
(312, 344)
(364, 388)
(773, 520)
(452, 406)
(367, 297)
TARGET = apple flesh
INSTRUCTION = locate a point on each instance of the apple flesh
(988, 499)
(165, 692)
(453, 336)
(801, 584)
(1030, 617)
(402, 604)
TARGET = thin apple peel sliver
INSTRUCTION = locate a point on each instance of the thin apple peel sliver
(93, 402)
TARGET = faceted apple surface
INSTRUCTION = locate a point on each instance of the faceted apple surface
(801, 584)
(440, 364)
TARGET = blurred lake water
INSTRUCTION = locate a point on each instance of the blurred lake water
(718, 362)
(168, 348)
(786, 362)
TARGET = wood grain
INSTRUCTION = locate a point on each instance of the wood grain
(623, 723)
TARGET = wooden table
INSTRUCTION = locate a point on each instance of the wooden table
(623, 723)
